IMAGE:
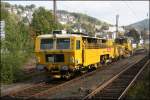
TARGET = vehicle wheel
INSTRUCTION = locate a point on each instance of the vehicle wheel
(67, 76)
(49, 79)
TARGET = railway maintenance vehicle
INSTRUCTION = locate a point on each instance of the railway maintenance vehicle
(62, 54)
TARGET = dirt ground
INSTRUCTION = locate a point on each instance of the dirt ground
(30, 65)
(28, 68)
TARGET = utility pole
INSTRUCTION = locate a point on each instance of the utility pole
(117, 18)
(145, 30)
(54, 10)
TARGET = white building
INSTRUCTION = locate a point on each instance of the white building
(80, 29)
(2, 29)
(98, 27)
(65, 18)
(112, 30)
(9, 10)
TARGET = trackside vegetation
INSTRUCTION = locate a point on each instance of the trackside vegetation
(18, 45)
(15, 47)
(141, 90)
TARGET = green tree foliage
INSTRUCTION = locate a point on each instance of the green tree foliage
(133, 33)
(104, 27)
(43, 22)
(21, 7)
(6, 4)
(84, 17)
(144, 34)
(15, 48)
(30, 7)
(89, 28)
(86, 22)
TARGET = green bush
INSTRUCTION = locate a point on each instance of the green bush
(15, 48)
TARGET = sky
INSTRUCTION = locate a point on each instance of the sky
(129, 11)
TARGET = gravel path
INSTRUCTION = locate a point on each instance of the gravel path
(6, 89)
(29, 70)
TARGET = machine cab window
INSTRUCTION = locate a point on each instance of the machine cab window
(63, 43)
(46, 44)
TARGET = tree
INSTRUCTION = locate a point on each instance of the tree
(15, 48)
(27, 7)
(4, 13)
(16, 6)
(21, 7)
(43, 21)
(144, 34)
(104, 27)
(32, 6)
(25, 19)
(133, 33)
(7, 5)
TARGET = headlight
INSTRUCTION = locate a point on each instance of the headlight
(77, 61)
(71, 59)
(64, 68)
(39, 67)
(38, 59)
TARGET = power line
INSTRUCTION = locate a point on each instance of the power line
(130, 9)
(135, 15)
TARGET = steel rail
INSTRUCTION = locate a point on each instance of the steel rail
(67, 83)
(101, 87)
(127, 88)
(59, 87)
(17, 92)
(64, 84)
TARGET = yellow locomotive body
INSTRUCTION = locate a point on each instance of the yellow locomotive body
(124, 46)
(62, 54)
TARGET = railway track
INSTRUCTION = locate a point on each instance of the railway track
(36, 89)
(33, 90)
(29, 91)
(55, 93)
(44, 90)
(117, 87)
